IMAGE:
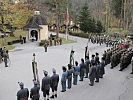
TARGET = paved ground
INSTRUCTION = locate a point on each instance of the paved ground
(114, 86)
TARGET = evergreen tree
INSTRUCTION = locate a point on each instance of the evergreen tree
(99, 27)
(85, 19)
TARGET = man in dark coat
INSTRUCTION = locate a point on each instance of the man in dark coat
(102, 70)
(92, 74)
(69, 76)
(46, 85)
(87, 62)
(97, 71)
(93, 60)
(23, 93)
(82, 69)
(34, 92)
(97, 58)
(54, 83)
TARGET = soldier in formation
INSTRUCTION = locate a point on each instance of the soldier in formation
(82, 69)
(34, 92)
(23, 93)
(54, 83)
(46, 85)
(64, 79)
(76, 73)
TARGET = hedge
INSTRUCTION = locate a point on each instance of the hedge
(13, 42)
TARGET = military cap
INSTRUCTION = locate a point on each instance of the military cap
(21, 84)
(35, 83)
(93, 55)
(45, 72)
(97, 53)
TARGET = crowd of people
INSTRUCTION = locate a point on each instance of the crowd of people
(92, 69)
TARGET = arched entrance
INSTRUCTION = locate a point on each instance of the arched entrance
(34, 35)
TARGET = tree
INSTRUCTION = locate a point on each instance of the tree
(85, 21)
(99, 27)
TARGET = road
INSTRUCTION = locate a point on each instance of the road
(114, 86)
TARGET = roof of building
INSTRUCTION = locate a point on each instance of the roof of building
(35, 21)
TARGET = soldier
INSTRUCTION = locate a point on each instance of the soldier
(122, 62)
(5, 57)
(92, 74)
(46, 85)
(69, 76)
(63, 79)
(23, 93)
(97, 71)
(54, 83)
(92, 60)
(132, 65)
(34, 92)
(112, 61)
(97, 58)
(87, 62)
(76, 73)
(102, 70)
(82, 69)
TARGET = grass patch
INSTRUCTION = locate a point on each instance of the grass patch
(16, 36)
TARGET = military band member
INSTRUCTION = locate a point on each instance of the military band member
(54, 83)
(45, 85)
(23, 93)
(34, 92)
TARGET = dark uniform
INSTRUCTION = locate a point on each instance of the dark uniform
(54, 83)
(69, 77)
(87, 62)
(97, 71)
(82, 69)
(45, 46)
(34, 92)
(92, 74)
(46, 85)
(23, 93)
(102, 70)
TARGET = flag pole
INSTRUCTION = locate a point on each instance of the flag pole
(67, 19)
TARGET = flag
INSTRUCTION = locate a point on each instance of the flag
(67, 18)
